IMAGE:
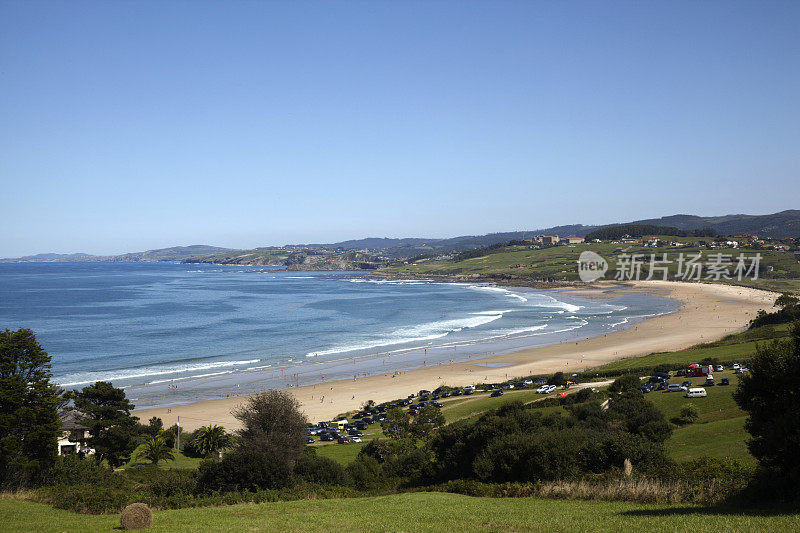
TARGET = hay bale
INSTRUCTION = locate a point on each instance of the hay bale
(136, 516)
(627, 467)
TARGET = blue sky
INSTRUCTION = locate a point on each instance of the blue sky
(133, 125)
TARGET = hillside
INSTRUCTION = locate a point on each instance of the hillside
(174, 253)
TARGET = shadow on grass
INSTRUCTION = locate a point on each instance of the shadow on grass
(728, 509)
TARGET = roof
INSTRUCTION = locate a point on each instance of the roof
(69, 420)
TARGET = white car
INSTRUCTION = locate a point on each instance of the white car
(528, 382)
(719, 368)
(355, 439)
(736, 366)
(696, 392)
(543, 389)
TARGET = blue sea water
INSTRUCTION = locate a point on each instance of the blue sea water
(174, 333)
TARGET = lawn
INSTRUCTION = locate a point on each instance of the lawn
(725, 354)
(474, 405)
(413, 512)
(342, 453)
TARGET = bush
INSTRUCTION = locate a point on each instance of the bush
(164, 483)
(688, 415)
(244, 470)
(365, 472)
(74, 470)
(322, 470)
(85, 499)
(625, 383)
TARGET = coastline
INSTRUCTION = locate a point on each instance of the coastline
(707, 312)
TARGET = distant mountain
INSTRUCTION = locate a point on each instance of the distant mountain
(777, 225)
(175, 253)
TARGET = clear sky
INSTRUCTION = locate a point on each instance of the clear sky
(132, 125)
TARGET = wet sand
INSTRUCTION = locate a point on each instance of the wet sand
(708, 312)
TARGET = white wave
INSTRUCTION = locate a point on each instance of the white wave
(72, 380)
(558, 304)
(418, 333)
(493, 312)
(491, 288)
(628, 318)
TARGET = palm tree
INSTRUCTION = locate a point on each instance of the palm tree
(211, 439)
(155, 449)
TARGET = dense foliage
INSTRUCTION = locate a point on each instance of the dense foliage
(611, 233)
(29, 421)
(769, 395)
(516, 443)
(272, 423)
(106, 411)
(491, 249)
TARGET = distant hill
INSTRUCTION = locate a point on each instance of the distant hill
(175, 253)
(776, 225)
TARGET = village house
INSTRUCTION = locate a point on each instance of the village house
(73, 436)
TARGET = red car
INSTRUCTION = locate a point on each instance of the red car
(561, 395)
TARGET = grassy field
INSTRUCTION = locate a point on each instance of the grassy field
(413, 512)
(343, 453)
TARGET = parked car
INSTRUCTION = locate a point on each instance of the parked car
(710, 381)
(355, 433)
(528, 382)
(696, 392)
(646, 388)
(437, 404)
(310, 440)
(561, 395)
(446, 394)
(343, 440)
(355, 439)
(718, 368)
(674, 387)
(724, 381)
(496, 394)
(736, 366)
(687, 384)
(467, 392)
(457, 392)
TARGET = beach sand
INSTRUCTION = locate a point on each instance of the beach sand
(708, 312)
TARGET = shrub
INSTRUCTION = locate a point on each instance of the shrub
(136, 516)
(688, 415)
(164, 483)
(244, 469)
(85, 499)
(625, 383)
(74, 470)
(322, 470)
(365, 472)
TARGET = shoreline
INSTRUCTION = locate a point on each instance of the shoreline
(707, 312)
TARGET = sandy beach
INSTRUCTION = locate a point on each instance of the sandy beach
(708, 312)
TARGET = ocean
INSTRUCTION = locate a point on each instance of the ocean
(176, 333)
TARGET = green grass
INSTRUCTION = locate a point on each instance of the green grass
(480, 403)
(413, 512)
(717, 439)
(725, 354)
(342, 453)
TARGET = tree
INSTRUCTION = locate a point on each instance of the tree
(428, 419)
(210, 439)
(154, 449)
(397, 424)
(558, 379)
(786, 300)
(29, 403)
(272, 423)
(106, 412)
(769, 395)
(625, 383)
